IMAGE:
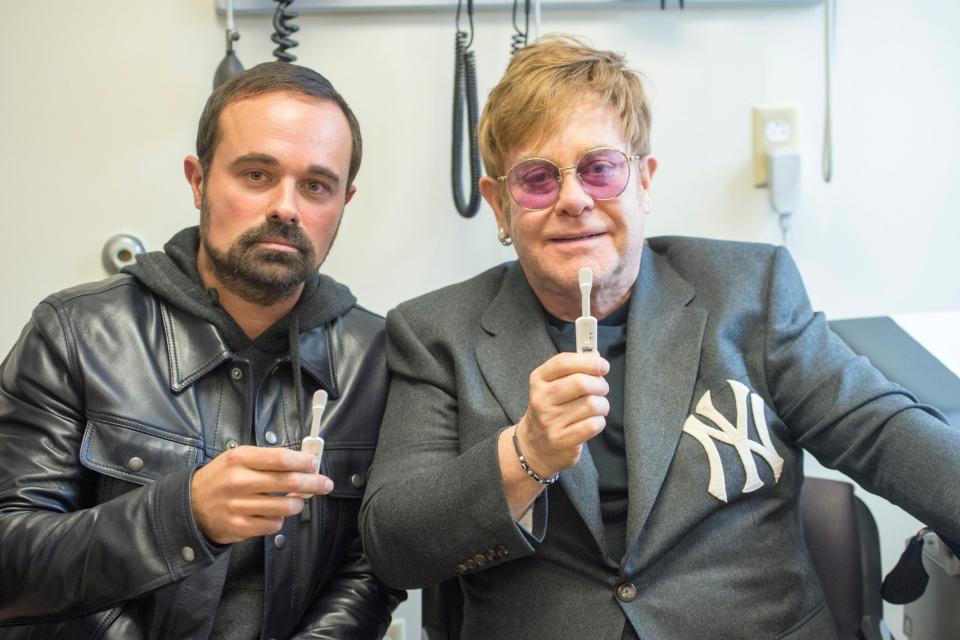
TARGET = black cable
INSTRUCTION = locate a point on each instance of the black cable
(282, 31)
(520, 37)
(465, 97)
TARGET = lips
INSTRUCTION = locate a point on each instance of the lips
(278, 243)
(576, 237)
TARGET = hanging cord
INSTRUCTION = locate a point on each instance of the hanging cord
(520, 36)
(537, 30)
(830, 33)
(283, 30)
(465, 96)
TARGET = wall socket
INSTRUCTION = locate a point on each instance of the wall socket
(773, 128)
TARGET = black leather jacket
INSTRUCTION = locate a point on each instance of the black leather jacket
(108, 403)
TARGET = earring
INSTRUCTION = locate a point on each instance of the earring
(502, 236)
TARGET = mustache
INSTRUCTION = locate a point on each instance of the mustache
(272, 230)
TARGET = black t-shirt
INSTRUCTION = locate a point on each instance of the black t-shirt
(607, 449)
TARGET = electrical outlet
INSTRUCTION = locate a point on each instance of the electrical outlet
(773, 128)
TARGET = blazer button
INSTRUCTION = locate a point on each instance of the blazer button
(470, 564)
(357, 480)
(480, 559)
(135, 464)
(492, 555)
(627, 592)
(461, 568)
(280, 541)
(270, 437)
(501, 551)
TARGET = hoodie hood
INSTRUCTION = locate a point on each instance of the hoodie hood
(172, 275)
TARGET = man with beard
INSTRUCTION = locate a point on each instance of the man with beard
(152, 484)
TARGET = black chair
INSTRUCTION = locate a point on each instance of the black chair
(845, 549)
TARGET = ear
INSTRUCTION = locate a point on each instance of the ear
(490, 189)
(352, 189)
(194, 174)
(648, 167)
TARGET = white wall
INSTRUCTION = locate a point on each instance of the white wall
(100, 101)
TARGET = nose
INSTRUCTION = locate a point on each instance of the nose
(284, 208)
(572, 200)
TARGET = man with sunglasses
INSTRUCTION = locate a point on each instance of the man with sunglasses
(679, 519)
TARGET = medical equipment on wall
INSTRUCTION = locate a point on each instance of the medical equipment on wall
(520, 36)
(465, 103)
(830, 40)
(230, 65)
(119, 251)
(366, 6)
(283, 30)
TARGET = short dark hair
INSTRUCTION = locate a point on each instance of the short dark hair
(270, 77)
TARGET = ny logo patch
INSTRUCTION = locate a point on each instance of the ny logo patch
(735, 436)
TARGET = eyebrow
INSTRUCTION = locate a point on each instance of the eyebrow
(270, 161)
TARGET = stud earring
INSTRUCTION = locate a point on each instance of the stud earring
(502, 236)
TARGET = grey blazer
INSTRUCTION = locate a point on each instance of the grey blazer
(729, 375)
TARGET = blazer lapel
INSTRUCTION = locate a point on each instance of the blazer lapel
(664, 338)
(517, 343)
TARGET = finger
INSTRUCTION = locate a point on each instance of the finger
(581, 431)
(566, 363)
(279, 506)
(267, 459)
(571, 387)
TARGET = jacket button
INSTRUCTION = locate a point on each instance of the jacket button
(480, 559)
(280, 541)
(492, 555)
(236, 373)
(461, 568)
(232, 444)
(501, 551)
(135, 464)
(470, 564)
(270, 437)
(187, 554)
(627, 592)
(357, 480)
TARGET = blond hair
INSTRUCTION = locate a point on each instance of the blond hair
(543, 82)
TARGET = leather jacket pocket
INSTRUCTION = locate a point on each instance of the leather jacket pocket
(135, 452)
(348, 468)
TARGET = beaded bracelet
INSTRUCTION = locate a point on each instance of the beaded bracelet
(526, 467)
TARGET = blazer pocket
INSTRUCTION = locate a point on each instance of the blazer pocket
(135, 452)
(816, 625)
(348, 468)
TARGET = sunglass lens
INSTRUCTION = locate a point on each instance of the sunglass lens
(604, 173)
(534, 184)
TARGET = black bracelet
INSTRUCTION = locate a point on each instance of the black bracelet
(526, 467)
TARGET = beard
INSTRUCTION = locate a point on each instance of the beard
(257, 274)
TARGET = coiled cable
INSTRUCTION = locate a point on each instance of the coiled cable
(520, 36)
(465, 98)
(283, 30)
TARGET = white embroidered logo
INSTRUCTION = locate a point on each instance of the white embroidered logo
(735, 436)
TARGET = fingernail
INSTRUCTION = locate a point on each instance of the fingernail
(328, 485)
